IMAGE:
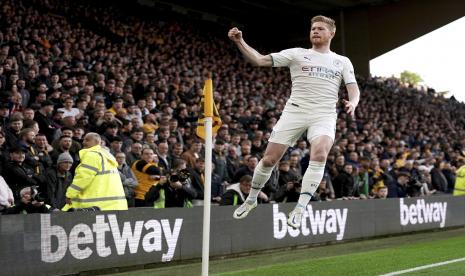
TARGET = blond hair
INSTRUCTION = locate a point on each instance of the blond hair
(321, 18)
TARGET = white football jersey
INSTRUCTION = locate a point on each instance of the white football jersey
(316, 77)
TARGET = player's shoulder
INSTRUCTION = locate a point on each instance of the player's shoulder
(294, 50)
(341, 57)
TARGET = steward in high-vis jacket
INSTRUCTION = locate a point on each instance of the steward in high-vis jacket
(459, 189)
(97, 181)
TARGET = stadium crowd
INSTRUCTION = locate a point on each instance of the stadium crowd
(67, 69)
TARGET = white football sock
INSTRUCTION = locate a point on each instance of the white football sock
(310, 182)
(260, 177)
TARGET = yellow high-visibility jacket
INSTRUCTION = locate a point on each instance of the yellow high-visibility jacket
(459, 188)
(97, 182)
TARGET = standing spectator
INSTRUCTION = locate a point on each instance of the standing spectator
(128, 178)
(27, 141)
(191, 155)
(58, 180)
(4, 114)
(246, 170)
(459, 188)
(97, 181)
(219, 160)
(69, 110)
(12, 132)
(134, 154)
(3, 154)
(177, 191)
(344, 183)
(147, 173)
(46, 125)
(164, 160)
(438, 179)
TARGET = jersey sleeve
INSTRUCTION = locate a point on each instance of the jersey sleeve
(348, 72)
(283, 58)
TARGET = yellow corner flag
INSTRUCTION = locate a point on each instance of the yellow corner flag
(209, 110)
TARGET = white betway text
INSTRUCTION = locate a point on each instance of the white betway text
(421, 212)
(315, 222)
(83, 240)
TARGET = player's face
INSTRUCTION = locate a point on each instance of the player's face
(320, 34)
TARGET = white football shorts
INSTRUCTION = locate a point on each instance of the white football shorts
(295, 121)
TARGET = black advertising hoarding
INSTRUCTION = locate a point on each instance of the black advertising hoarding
(64, 243)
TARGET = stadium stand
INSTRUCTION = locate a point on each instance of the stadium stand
(69, 68)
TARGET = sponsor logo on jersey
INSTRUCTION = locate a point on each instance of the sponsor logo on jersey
(321, 72)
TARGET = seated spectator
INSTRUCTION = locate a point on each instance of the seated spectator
(29, 203)
(238, 192)
(18, 175)
(380, 192)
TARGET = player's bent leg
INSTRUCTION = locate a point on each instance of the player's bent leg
(319, 151)
(262, 173)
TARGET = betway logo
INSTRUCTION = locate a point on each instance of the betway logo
(83, 240)
(316, 222)
(422, 212)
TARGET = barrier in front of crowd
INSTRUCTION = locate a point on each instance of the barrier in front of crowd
(64, 243)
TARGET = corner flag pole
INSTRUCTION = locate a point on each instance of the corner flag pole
(208, 121)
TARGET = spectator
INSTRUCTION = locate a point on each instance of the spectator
(19, 175)
(6, 195)
(177, 191)
(59, 178)
(246, 170)
(381, 192)
(289, 192)
(343, 183)
(29, 203)
(128, 178)
(147, 173)
(134, 154)
(191, 155)
(42, 117)
(12, 132)
(237, 193)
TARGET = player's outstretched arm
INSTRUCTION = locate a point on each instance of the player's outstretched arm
(249, 53)
(354, 97)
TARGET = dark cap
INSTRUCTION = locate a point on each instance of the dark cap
(403, 172)
(18, 149)
(4, 105)
(46, 103)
